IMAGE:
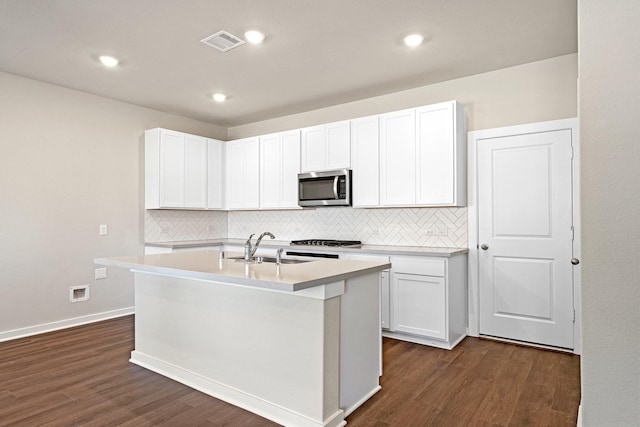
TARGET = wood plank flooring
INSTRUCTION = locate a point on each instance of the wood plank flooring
(82, 377)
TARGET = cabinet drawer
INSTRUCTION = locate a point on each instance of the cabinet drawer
(366, 257)
(419, 265)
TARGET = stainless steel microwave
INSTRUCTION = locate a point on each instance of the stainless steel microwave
(325, 188)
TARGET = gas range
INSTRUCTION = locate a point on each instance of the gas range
(327, 242)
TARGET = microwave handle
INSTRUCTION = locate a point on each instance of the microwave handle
(336, 179)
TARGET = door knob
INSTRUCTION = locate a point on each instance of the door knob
(575, 261)
(484, 247)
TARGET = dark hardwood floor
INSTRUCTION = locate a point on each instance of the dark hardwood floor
(81, 376)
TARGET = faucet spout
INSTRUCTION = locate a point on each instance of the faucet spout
(255, 248)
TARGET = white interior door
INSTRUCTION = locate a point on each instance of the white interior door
(525, 237)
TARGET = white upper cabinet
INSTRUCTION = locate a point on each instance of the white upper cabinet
(423, 156)
(243, 174)
(175, 170)
(441, 155)
(326, 147)
(397, 158)
(279, 168)
(365, 161)
(406, 158)
(215, 173)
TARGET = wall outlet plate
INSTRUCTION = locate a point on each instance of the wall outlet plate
(101, 273)
(104, 229)
(436, 230)
(79, 293)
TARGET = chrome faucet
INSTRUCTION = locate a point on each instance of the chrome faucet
(255, 248)
(248, 253)
(249, 250)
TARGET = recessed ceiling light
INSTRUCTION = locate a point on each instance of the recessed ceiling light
(413, 40)
(108, 61)
(254, 36)
(219, 97)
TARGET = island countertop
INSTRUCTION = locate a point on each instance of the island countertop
(207, 265)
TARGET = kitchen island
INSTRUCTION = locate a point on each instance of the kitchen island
(299, 344)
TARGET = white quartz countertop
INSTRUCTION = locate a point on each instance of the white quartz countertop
(364, 249)
(207, 265)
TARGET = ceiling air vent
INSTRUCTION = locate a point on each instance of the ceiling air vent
(223, 41)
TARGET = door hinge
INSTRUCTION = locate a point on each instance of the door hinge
(574, 316)
(573, 234)
(571, 151)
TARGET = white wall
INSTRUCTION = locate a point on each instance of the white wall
(534, 92)
(69, 161)
(609, 64)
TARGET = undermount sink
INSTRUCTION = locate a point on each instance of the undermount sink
(261, 259)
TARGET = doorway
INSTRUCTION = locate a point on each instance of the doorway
(523, 221)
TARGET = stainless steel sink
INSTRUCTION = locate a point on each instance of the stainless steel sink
(283, 260)
(261, 259)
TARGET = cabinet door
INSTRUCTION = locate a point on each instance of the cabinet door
(270, 171)
(313, 149)
(235, 175)
(419, 305)
(243, 174)
(195, 172)
(365, 161)
(435, 154)
(215, 174)
(172, 169)
(279, 168)
(397, 158)
(338, 145)
(252, 173)
(290, 168)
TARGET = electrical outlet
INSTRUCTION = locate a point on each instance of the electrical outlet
(376, 231)
(104, 229)
(442, 231)
(436, 230)
(431, 231)
(101, 273)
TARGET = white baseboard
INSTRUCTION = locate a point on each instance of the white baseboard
(579, 423)
(232, 395)
(64, 324)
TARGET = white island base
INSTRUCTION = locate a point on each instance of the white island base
(304, 358)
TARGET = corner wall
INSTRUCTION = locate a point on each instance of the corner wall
(70, 161)
(609, 99)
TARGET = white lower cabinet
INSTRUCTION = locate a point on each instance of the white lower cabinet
(419, 305)
(384, 285)
(428, 302)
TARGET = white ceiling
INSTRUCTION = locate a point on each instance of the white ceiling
(317, 52)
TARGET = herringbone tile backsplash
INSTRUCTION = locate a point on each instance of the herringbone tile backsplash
(404, 227)
(178, 225)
